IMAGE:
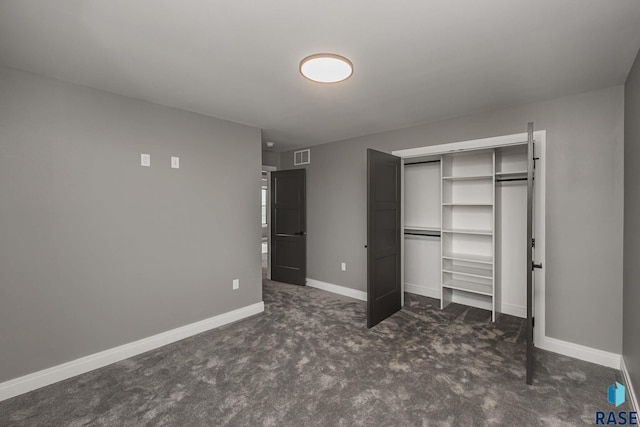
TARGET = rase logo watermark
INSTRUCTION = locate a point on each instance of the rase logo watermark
(616, 396)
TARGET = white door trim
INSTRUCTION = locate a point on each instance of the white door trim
(475, 144)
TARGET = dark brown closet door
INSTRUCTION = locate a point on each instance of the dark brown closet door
(383, 229)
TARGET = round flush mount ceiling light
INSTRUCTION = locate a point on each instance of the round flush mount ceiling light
(326, 68)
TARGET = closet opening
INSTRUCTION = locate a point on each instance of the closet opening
(465, 229)
(469, 214)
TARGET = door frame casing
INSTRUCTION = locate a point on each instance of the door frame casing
(540, 141)
(268, 170)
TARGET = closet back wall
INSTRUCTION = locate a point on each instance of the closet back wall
(97, 251)
(584, 205)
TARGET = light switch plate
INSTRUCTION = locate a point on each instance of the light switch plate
(175, 162)
(145, 160)
(343, 266)
(236, 283)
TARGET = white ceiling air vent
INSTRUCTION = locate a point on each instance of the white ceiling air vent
(301, 157)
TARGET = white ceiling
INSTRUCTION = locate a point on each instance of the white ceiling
(414, 60)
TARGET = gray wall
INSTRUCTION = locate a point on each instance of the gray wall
(270, 158)
(584, 205)
(631, 290)
(97, 251)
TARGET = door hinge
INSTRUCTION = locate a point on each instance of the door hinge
(533, 242)
(533, 322)
(536, 265)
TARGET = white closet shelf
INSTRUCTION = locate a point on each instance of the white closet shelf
(421, 228)
(467, 178)
(469, 231)
(483, 259)
(474, 287)
(483, 273)
(509, 174)
(468, 204)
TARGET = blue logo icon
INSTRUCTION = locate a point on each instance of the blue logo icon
(616, 395)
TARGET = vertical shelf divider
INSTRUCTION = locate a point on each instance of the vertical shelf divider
(493, 238)
(445, 298)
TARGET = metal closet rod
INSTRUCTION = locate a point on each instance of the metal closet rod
(434, 234)
(420, 163)
(511, 179)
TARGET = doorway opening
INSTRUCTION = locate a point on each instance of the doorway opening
(265, 215)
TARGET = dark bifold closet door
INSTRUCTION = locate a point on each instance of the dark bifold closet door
(288, 227)
(530, 263)
(383, 236)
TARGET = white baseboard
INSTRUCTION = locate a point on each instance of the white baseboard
(341, 290)
(588, 354)
(422, 290)
(514, 310)
(627, 381)
(85, 364)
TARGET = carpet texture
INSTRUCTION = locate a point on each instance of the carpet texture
(309, 360)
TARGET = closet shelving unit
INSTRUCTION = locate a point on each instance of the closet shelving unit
(464, 224)
(468, 226)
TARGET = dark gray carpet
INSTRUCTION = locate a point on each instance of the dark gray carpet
(309, 360)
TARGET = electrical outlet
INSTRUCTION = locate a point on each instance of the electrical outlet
(175, 162)
(236, 284)
(145, 160)
(343, 266)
